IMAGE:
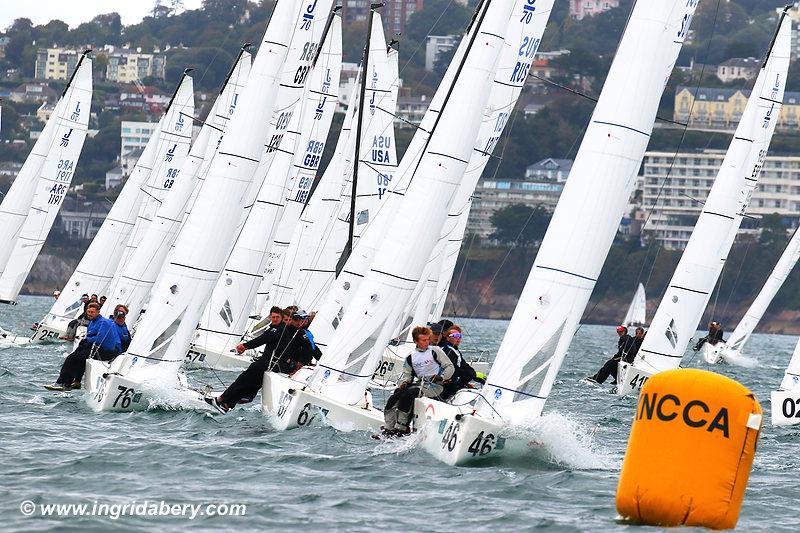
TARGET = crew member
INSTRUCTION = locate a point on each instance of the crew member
(625, 344)
(120, 312)
(425, 372)
(286, 348)
(72, 327)
(101, 340)
(714, 336)
(464, 372)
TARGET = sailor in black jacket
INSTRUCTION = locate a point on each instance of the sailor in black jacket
(286, 348)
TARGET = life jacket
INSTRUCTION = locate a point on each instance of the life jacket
(424, 364)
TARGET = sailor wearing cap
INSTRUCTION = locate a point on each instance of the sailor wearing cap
(625, 344)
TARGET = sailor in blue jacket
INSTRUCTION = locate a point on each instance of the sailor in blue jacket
(102, 340)
(120, 312)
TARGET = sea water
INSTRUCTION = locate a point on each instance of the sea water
(177, 464)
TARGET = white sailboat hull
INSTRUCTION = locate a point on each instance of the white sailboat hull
(785, 407)
(455, 435)
(201, 357)
(291, 406)
(712, 353)
(631, 379)
(50, 331)
(115, 393)
(8, 339)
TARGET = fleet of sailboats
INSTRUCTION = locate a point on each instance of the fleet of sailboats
(207, 235)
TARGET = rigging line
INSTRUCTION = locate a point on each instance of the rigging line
(738, 274)
(508, 253)
(592, 98)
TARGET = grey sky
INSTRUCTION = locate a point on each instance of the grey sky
(74, 12)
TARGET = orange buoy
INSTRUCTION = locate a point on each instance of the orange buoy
(690, 451)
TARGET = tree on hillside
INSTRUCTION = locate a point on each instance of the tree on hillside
(520, 224)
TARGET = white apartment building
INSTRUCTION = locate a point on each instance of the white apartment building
(128, 66)
(544, 181)
(579, 9)
(738, 68)
(133, 137)
(674, 212)
(435, 45)
(55, 63)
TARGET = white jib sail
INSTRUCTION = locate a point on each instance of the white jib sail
(588, 213)
(136, 277)
(376, 167)
(361, 337)
(184, 286)
(637, 311)
(689, 290)
(791, 378)
(166, 174)
(54, 178)
(522, 42)
(773, 284)
(101, 260)
(289, 179)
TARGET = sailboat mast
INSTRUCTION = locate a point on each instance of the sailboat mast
(348, 248)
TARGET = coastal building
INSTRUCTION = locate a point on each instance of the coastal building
(396, 14)
(142, 99)
(55, 63)
(133, 137)
(738, 68)
(129, 66)
(721, 108)
(45, 111)
(81, 219)
(578, 9)
(435, 45)
(3, 43)
(33, 92)
(410, 110)
(542, 185)
(676, 185)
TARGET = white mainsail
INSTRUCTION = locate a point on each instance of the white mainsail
(791, 378)
(361, 337)
(54, 178)
(698, 270)
(637, 311)
(184, 286)
(101, 260)
(587, 215)
(773, 284)
(136, 276)
(377, 161)
(287, 183)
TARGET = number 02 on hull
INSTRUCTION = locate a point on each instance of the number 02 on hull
(785, 407)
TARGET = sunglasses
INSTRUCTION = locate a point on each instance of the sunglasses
(455, 335)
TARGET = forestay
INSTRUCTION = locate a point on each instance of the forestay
(137, 276)
(588, 213)
(773, 284)
(637, 311)
(101, 260)
(53, 180)
(287, 183)
(351, 357)
(698, 270)
(184, 286)
(377, 162)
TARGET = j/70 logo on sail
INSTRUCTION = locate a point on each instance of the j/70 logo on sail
(668, 407)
